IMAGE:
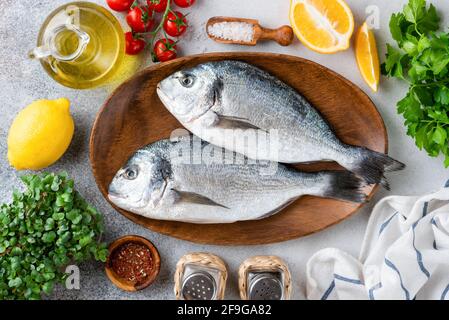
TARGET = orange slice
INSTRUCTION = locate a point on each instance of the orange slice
(325, 26)
(367, 57)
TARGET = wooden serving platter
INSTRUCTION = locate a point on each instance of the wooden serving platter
(133, 116)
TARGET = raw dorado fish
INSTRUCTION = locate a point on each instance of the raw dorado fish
(208, 184)
(214, 97)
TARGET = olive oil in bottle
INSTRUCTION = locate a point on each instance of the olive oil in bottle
(81, 45)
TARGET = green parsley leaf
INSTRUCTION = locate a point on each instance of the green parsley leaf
(430, 20)
(442, 95)
(396, 21)
(414, 10)
(439, 135)
(393, 65)
(422, 59)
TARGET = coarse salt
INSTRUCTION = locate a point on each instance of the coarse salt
(233, 31)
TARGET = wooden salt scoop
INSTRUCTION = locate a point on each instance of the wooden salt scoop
(282, 35)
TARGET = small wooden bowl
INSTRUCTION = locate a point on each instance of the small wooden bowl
(126, 285)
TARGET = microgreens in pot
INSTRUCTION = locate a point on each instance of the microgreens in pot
(44, 229)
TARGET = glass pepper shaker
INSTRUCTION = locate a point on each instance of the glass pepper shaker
(200, 276)
(264, 278)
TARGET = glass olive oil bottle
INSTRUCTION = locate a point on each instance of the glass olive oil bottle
(81, 45)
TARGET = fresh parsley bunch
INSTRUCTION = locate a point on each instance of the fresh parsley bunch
(44, 229)
(422, 60)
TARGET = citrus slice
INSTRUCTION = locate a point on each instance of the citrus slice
(325, 26)
(367, 57)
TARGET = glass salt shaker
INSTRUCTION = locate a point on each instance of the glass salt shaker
(264, 278)
(200, 276)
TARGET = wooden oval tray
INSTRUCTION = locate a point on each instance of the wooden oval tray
(133, 117)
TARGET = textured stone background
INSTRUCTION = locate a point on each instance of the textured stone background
(22, 81)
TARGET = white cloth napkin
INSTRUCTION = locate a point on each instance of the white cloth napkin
(405, 254)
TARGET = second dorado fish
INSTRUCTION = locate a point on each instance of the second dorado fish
(200, 186)
(214, 97)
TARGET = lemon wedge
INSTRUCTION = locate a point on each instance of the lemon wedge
(367, 56)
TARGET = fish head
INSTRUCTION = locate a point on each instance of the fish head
(141, 183)
(190, 93)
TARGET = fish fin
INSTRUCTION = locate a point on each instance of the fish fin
(344, 185)
(209, 119)
(229, 122)
(192, 197)
(372, 165)
(276, 210)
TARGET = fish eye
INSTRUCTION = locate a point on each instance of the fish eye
(131, 173)
(187, 81)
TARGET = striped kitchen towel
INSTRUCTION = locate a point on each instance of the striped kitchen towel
(405, 254)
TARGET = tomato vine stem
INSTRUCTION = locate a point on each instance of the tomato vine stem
(156, 31)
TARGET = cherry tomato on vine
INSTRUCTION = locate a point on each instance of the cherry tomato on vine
(120, 5)
(175, 24)
(165, 50)
(184, 3)
(140, 19)
(157, 5)
(134, 44)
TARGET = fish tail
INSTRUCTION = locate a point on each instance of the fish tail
(344, 185)
(372, 165)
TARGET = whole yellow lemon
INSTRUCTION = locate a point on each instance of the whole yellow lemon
(40, 134)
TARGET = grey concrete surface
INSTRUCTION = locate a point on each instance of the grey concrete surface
(22, 81)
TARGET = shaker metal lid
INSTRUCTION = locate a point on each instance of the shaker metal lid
(199, 286)
(266, 286)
